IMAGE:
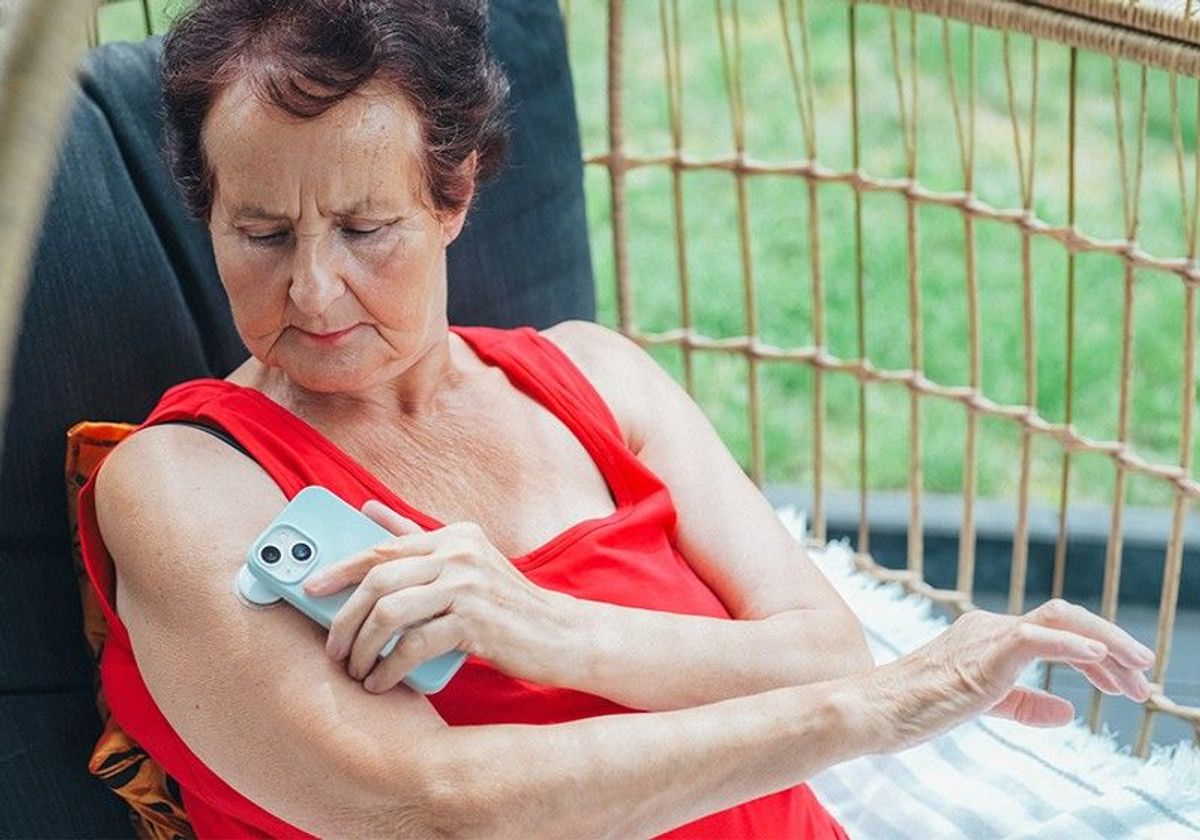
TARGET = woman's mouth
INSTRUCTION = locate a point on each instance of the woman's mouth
(328, 338)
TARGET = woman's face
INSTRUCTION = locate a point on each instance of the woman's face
(324, 225)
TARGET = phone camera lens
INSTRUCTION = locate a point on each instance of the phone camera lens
(301, 551)
(270, 554)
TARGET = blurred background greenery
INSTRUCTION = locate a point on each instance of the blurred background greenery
(778, 222)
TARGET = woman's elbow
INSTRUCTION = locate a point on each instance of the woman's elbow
(438, 804)
(825, 643)
(857, 657)
(456, 799)
(841, 636)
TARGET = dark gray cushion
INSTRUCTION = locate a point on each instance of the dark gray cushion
(124, 302)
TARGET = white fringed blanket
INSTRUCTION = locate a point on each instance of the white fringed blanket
(992, 778)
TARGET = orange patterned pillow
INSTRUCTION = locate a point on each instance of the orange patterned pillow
(117, 760)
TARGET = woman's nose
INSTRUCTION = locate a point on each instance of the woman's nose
(315, 281)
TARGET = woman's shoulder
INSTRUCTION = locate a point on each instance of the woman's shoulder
(594, 348)
(616, 366)
(158, 471)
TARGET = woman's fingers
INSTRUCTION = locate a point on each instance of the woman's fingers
(393, 612)
(1113, 678)
(1130, 681)
(1099, 676)
(1034, 708)
(410, 540)
(1037, 641)
(378, 582)
(1039, 708)
(1122, 647)
(1089, 656)
(440, 635)
(1086, 653)
(1121, 670)
(356, 567)
(390, 519)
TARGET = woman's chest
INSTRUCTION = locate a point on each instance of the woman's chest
(523, 476)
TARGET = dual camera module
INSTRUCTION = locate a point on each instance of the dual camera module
(287, 554)
(270, 554)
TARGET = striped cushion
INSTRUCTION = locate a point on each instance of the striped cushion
(992, 778)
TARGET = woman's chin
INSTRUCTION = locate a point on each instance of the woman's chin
(327, 376)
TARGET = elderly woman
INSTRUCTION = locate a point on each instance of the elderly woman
(649, 650)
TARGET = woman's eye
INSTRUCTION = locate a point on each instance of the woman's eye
(359, 233)
(267, 238)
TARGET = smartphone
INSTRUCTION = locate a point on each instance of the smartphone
(317, 529)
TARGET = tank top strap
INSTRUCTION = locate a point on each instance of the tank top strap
(291, 463)
(548, 371)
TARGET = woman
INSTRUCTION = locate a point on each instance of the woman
(333, 148)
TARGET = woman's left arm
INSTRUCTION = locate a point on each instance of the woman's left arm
(791, 626)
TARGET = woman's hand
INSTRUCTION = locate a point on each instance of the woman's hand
(452, 589)
(972, 667)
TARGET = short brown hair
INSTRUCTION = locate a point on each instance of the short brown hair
(305, 56)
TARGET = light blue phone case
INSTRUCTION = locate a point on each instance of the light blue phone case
(332, 530)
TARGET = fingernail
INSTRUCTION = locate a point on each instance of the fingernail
(1146, 654)
(1097, 649)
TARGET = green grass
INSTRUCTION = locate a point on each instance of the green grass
(780, 247)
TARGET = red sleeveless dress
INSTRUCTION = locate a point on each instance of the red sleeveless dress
(628, 557)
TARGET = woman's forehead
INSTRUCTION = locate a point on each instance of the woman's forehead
(364, 150)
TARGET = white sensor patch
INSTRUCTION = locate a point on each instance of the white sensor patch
(251, 590)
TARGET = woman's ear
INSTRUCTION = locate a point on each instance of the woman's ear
(452, 224)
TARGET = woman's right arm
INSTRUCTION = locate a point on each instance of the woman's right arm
(254, 696)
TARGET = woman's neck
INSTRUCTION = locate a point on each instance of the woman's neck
(432, 385)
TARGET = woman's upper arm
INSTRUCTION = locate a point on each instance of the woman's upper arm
(726, 528)
(251, 690)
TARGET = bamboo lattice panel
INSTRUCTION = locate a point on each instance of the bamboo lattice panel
(1023, 34)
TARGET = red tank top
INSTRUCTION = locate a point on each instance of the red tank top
(628, 557)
